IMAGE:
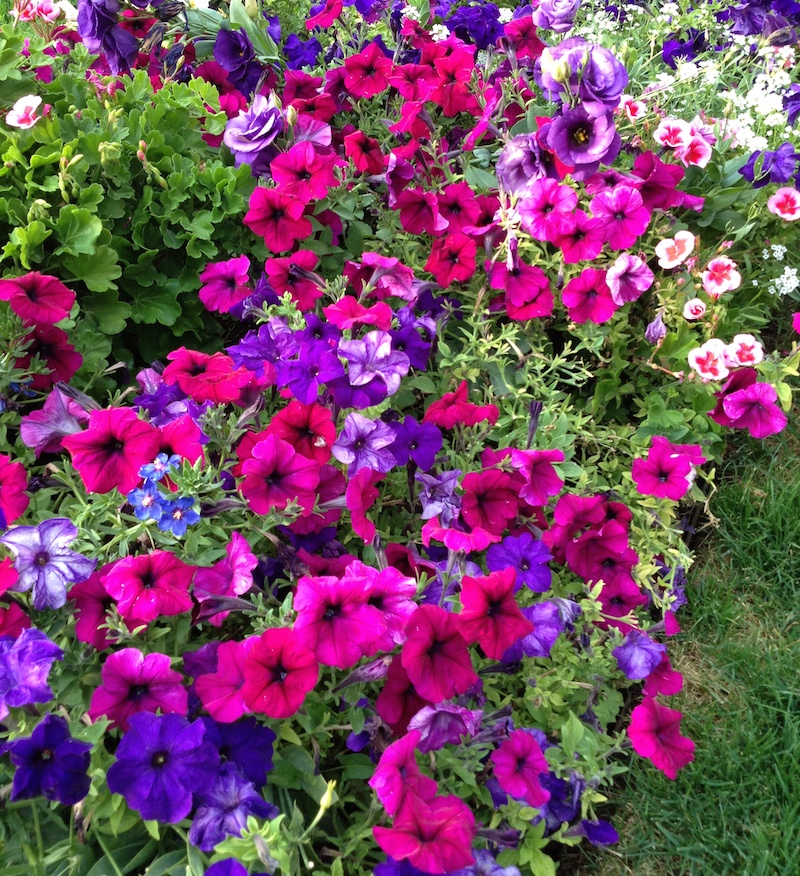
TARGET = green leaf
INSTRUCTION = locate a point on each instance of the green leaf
(77, 230)
(262, 42)
(98, 271)
(155, 304)
(161, 866)
(111, 313)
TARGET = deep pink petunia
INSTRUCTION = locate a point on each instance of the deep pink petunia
(308, 428)
(397, 775)
(490, 615)
(518, 764)
(392, 593)
(435, 836)
(276, 475)
(419, 212)
(452, 259)
(360, 496)
(666, 472)
(453, 408)
(13, 621)
(133, 682)
(582, 239)
(365, 153)
(477, 539)
(458, 205)
(546, 209)
(754, 409)
(334, 619)
(13, 483)
(149, 586)
(279, 672)
(205, 377)
(623, 214)
(293, 274)
(489, 500)
(528, 293)
(607, 540)
(655, 733)
(663, 679)
(38, 299)
(278, 218)
(435, 655)
(305, 173)
(348, 313)
(50, 344)
(588, 298)
(398, 701)
(231, 576)
(541, 479)
(111, 451)
(225, 284)
(618, 599)
(366, 74)
(220, 691)
(91, 604)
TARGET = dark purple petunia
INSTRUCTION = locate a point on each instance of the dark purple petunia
(409, 341)
(776, 167)
(162, 761)
(791, 104)
(301, 53)
(98, 28)
(565, 800)
(223, 811)
(529, 558)
(50, 764)
(547, 627)
(246, 743)
(478, 24)
(316, 366)
(599, 833)
(233, 52)
(687, 49)
(418, 441)
(25, 663)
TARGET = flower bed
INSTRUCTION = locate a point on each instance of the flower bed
(375, 571)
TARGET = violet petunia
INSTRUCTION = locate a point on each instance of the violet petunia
(250, 134)
(44, 562)
(373, 356)
(583, 141)
(444, 724)
(638, 655)
(25, 663)
(43, 430)
(363, 443)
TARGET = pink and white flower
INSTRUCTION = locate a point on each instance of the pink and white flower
(697, 152)
(23, 113)
(694, 309)
(674, 133)
(743, 351)
(785, 203)
(721, 276)
(709, 360)
(633, 109)
(673, 251)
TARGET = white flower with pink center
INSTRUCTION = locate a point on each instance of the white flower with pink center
(785, 203)
(673, 133)
(694, 309)
(23, 113)
(721, 276)
(633, 109)
(673, 251)
(697, 152)
(709, 360)
(744, 351)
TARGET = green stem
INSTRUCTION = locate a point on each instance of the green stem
(37, 829)
(114, 866)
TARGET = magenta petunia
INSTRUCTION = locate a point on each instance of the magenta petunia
(111, 451)
(754, 409)
(133, 682)
(276, 475)
(490, 615)
(623, 215)
(149, 586)
(38, 299)
(397, 775)
(435, 655)
(221, 691)
(655, 733)
(13, 483)
(278, 218)
(225, 284)
(666, 472)
(518, 765)
(588, 298)
(231, 576)
(541, 479)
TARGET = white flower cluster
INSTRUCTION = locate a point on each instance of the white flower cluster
(439, 33)
(786, 283)
(505, 16)
(410, 12)
(776, 251)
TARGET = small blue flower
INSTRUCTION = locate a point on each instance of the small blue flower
(160, 466)
(147, 502)
(177, 516)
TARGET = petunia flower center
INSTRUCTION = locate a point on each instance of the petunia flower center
(42, 558)
(159, 759)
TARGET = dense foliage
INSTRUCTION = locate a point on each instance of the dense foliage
(375, 571)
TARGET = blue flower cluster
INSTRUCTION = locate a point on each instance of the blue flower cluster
(149, 503)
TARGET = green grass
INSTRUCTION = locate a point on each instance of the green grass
(736, 809)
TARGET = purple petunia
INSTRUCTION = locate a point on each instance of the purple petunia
(50, 764)
(25, 663)
(547, 627)
(373, 356)
(583, 141)
(438, 495)
(416, 441)
(163, 761)
(223, 811)
(44, 563)
(444, 724)
(529, 558)
(363, 443)
(638, 655)
(246, 743)
(250, 134)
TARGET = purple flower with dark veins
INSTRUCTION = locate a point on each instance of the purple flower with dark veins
(529, 558)
(363, 443)
(316, 365)
(521, 163)
(25, 663)
(44, 563)
(638, 655)
(223, 811)
(373, 356)
(438, 496)
(583, 141)
(444, 724)
(43, 430)
(628, 279)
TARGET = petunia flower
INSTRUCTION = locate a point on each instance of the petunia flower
(13, 484)
(246, 743)
(588, 298)
(50, 344)
(44, 563)
(398, 701)
(453, 408)
(518, 764)
(61, 416)
(231, 576)
(133, 682)
(444, 724)
(397, 775)
(279, 672)
(490, 615)
(547, 627)
(623, 214)
(754, 408)
(224, 809)
(220, 691)
(628, 279)
(638, 655)
(50, 764)
(528, 557)
(111, 451)
(654, 731)
(25, 663)
(161, 763)
(364, 443)
(372, 356)
(278, 218)
(38, 299)
(435, 655)
(225, 284)
(275, 475)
